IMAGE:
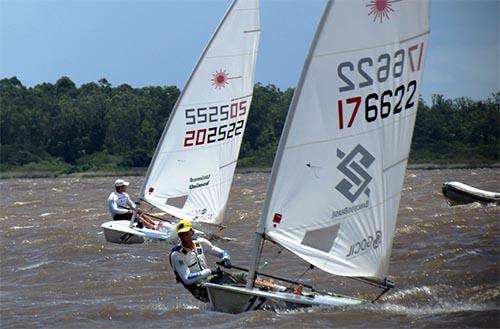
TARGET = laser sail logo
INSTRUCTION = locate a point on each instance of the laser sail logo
(356, 177)
(220, 79)
(381, 9)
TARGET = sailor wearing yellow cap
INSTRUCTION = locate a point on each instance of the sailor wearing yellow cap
(189, 263)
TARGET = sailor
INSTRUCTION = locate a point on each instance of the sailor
(122, 208)
(189, 264)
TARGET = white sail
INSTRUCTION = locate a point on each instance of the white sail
(336, 183)
(193, 166)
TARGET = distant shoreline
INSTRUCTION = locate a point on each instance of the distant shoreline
(142, 171)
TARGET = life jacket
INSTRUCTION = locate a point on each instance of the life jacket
(179, 248)
(195, 289)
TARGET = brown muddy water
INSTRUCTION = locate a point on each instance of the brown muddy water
(57, 271)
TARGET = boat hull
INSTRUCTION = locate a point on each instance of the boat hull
(238, 299)
(119, 232)
(459, 193)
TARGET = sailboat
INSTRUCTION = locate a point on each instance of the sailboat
(193, 166)
(336, 181)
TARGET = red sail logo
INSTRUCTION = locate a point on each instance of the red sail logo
(220, 79)
(380, 9)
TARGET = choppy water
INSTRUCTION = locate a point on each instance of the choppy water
(58, 271)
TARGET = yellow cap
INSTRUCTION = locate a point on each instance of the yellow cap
(184, 225)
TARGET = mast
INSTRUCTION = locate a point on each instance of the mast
(179, 99)
(260, 233)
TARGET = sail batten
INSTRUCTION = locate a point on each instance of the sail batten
(368, 48)
(336, 182)
(343, 137)
(193, 166)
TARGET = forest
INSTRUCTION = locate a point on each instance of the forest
(63, 128)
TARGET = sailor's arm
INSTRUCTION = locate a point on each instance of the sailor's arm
(216, 251)
(185, 273)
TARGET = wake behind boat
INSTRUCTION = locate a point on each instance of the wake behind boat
(458, 193)
(336, 181)
(193, 166)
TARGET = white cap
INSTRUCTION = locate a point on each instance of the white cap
(120, 182)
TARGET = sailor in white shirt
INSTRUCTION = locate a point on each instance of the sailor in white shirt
(121, 207)
(119, 204)
(189, 263)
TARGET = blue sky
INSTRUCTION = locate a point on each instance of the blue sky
(157, 42)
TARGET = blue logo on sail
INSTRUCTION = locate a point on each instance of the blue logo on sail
(353, 166)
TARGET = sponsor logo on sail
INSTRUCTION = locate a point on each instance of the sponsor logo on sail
(199, 181)
(381, 9)
(354, 166)
(350, 210)
(369, 243)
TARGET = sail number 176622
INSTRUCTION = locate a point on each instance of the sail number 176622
(368, 72)
(377, 105)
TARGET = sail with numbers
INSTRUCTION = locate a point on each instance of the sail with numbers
(192, 169)
(193, 166)
(339, 172)
(336, 181)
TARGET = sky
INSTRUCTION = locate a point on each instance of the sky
(157, 42)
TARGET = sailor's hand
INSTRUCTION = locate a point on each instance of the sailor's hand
(216, 271)
(226, 263)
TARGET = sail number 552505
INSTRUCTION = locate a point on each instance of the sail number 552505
(378, 105)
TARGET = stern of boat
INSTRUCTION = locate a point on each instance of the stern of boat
(227, 300)
(119, 232)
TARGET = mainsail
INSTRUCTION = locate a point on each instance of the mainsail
(193, 166)
(336, 182)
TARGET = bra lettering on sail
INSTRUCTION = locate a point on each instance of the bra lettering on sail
(356, 176)
(360, 247)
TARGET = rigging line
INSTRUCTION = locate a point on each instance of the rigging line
(268, 275)
(310, 267)
(381, 294)
(150, 215)
(386, 284)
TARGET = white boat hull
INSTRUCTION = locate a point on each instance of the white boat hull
(237, 299)
(118, 231)
(459, 193)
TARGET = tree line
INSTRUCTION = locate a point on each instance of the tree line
(94, 127)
